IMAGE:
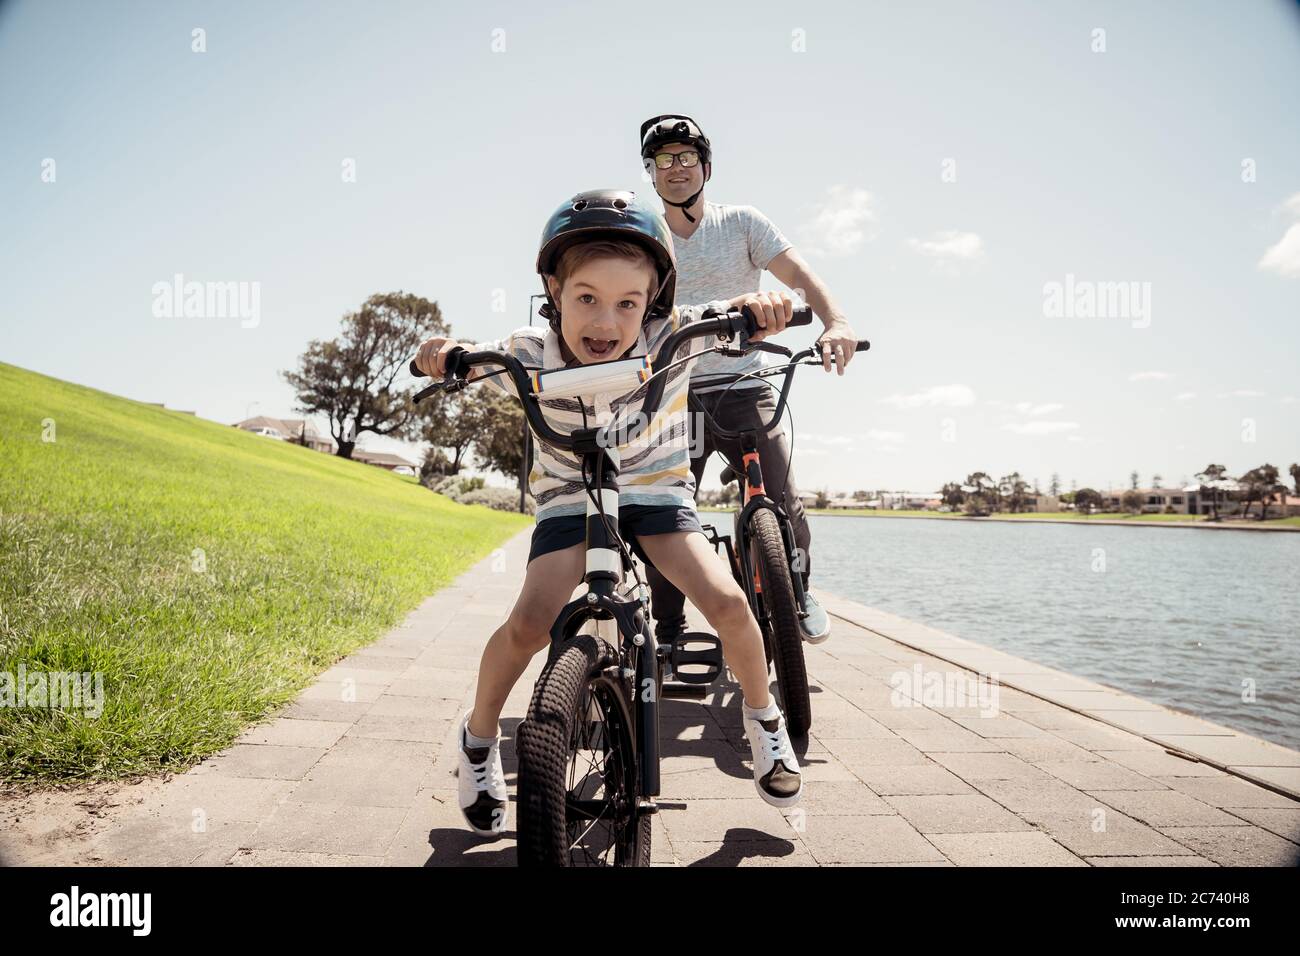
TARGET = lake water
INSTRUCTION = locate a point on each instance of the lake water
(1179, 616)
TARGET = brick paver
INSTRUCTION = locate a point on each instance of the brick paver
(358, 770)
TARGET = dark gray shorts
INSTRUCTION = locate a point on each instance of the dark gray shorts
(556, 534)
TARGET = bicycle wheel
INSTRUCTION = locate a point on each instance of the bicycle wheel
(782, 632)
(577, 766)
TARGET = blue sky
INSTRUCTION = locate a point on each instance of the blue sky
(1111, 166)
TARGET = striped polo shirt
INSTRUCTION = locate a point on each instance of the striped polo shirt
(655, 466)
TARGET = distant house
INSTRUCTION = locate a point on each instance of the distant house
(384, 459)
(294, 430)
(909, 500)
(1041, 503)
(1156, 500)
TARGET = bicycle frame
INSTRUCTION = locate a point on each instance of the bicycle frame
(750, 475)
(602, 601)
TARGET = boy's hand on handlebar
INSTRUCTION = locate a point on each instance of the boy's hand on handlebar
(432, 357)
(771, 310)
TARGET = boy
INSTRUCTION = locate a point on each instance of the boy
(607, 265)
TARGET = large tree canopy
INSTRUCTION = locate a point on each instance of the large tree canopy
(349, 379)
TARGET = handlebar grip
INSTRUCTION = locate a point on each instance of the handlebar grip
(803, 315)
(452, 362)
(862, 346)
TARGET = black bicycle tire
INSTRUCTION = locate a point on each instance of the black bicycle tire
(786, 636)
(543, 745)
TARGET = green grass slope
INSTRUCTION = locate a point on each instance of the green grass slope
(205, 572)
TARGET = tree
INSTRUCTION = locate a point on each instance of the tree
(823, 499)
(861, 496)
(981, 494)
(1086, 500)
(1295, 476)
(1209, 479)
(436, 465)
(952, 495)
(1013, 488)
(500, 445)
(1132, 501)
(1260, 483)
(1156, 479)
(1054, 489)
(454, 421)
(1133, 481)
(349, 379)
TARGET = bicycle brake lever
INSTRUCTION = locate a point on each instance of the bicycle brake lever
(425, 392)
(771, 347)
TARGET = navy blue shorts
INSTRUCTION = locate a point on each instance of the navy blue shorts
(564, 531)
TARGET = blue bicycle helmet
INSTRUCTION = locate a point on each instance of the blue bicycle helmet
(609, 214)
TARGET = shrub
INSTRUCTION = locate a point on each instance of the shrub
(500, 499)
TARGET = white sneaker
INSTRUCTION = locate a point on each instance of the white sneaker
(776, 769)
(482, 784)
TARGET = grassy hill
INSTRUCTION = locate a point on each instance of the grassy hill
(207, 573)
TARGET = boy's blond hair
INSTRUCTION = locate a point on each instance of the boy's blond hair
(580, 253)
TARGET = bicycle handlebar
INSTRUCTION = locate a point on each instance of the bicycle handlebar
(809, 356)
(725, 326)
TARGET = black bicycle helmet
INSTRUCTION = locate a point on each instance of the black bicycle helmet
(609, 214)
(659, 131)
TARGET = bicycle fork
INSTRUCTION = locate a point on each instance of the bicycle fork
(753, 472)
(603, 576)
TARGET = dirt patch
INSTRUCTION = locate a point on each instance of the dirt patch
(57, 827)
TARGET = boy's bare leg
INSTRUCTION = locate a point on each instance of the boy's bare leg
(688, 560)
(548, 585)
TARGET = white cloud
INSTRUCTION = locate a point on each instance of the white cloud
(1184, 396)
(953, 396)
(1288, 400)
(827, 439)
(1292, 204)
(1149, 376)
(1026, 408)
(1284, 257)
(877, 434)
(1241, 393)
(1073, 438)
(842, 223)
(1040, 428)
(949, 244)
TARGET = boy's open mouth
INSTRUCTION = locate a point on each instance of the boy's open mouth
(600, 347)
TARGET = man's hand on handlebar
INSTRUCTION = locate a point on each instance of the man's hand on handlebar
(771, 310)
(838, 342)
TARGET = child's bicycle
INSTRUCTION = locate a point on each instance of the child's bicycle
(589, 746)
(761, 551)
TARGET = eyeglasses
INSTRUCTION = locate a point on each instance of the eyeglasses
(687, 157)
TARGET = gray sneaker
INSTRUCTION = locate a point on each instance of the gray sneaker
(817, 625)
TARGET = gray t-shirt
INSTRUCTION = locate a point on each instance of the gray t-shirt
(725, 257)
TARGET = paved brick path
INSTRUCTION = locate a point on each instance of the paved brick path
(368, 780)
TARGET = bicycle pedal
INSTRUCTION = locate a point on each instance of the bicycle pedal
(697, 658)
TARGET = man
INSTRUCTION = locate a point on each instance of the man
(722, 251)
